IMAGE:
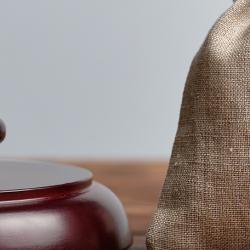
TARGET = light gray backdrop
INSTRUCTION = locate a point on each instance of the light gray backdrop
(97, 78)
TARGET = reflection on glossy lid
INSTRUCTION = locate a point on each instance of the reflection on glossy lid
(23, 175)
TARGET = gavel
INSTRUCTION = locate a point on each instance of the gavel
(2, 131)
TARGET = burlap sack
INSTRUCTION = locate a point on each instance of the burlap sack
(205, 202)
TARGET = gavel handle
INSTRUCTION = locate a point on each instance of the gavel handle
(2, 130)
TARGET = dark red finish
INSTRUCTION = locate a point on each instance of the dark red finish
(2, 130)
(54, 207)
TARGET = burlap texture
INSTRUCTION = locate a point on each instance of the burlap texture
(205, 202)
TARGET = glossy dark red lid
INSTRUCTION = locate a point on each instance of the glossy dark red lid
(20, 176)
(52, 206)
(30, 179)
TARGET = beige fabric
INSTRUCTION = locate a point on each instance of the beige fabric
(205, 202)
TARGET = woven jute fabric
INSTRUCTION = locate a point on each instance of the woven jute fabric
(205, 202)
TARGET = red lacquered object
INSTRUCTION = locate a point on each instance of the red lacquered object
(45, 206)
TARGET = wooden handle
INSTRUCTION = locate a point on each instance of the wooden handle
(2, 130)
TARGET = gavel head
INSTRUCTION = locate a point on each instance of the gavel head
(2, 130)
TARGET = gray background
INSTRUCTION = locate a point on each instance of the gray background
(97, 78)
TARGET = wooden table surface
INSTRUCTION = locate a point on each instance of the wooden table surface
(137, 184)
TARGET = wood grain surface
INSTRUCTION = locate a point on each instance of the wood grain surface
(138, 185)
